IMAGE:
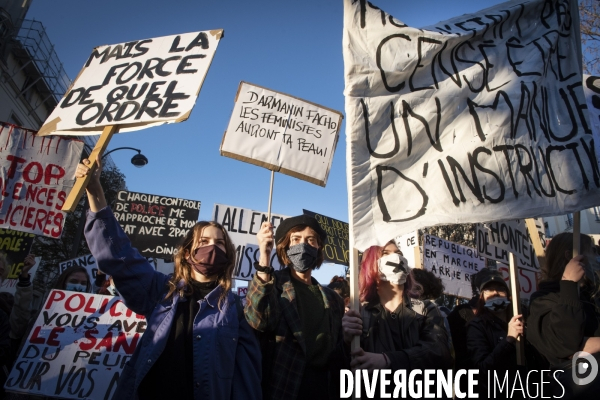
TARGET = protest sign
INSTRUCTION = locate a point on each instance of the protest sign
(242, 225)
(136, 84)
(77, 348)
(455, 264)
(9, 285)
(282, 133)
(16, 245)
(407, 245)
(335, 249)
(88, 262)
(155, 224)
(527, 280)
(480, 118)
(497, 239)
(591, 90)
(36, 173)
(242, 291)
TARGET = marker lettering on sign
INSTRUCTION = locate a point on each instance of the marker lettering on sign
(156, 223)
(488, 114)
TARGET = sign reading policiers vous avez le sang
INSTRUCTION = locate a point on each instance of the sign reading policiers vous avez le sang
(335, 249)
(479, 118)
(36, 174)
(242, 225)
(136, 84)
(77, 348)
(155, 224)
(282, 133)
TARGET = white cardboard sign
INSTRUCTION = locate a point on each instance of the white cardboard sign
(282, 133)
(242, 225)
(455, 264)
(480, 118)
(136, 84)
(527, 280)
(77, 348)
(36, 175)
(496, 240)
(406, 244)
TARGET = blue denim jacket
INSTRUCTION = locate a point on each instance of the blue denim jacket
(227, 357)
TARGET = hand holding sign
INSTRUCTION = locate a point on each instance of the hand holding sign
(94, 188)
(265, 243)
(28, 263)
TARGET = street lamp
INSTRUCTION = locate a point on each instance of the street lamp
(138, 160)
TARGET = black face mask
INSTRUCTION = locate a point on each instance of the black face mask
(303, 256)
(209, 260)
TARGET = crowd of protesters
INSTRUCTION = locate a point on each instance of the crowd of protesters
(293, 335)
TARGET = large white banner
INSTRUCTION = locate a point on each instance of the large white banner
(136, 84)
(282, 133)
(479, 118)
(591, 90)
(36, 174)
(77, 348)
(454, 263)
(242, 225)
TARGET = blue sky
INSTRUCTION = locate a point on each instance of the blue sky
(293, 47)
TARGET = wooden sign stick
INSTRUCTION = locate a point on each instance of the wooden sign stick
(354, 291)
(576, 233)
(81, 183)
(270, 196)
(537, 246)
(516, 302)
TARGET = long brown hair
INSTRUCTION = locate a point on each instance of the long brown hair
(284, 245)
(183, 269)
(559, 253)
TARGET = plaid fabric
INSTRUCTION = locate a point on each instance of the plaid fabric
(271, 307)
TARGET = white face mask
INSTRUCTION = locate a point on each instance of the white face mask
(393, 268)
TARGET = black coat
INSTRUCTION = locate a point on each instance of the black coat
(490, 352)
(425, 338)
(559, 318)
(487, 346)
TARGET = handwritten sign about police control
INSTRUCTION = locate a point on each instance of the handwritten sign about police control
(155, 224)
(282, 133)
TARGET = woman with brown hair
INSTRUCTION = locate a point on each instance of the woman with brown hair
(75, 279)
(564, 315)
(197, 344)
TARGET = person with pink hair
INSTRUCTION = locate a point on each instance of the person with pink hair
(396, 332)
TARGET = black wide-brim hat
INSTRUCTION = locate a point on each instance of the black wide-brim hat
(292, 222)
(486, 276)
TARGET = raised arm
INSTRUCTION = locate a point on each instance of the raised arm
(138, 283)
(262, 301)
